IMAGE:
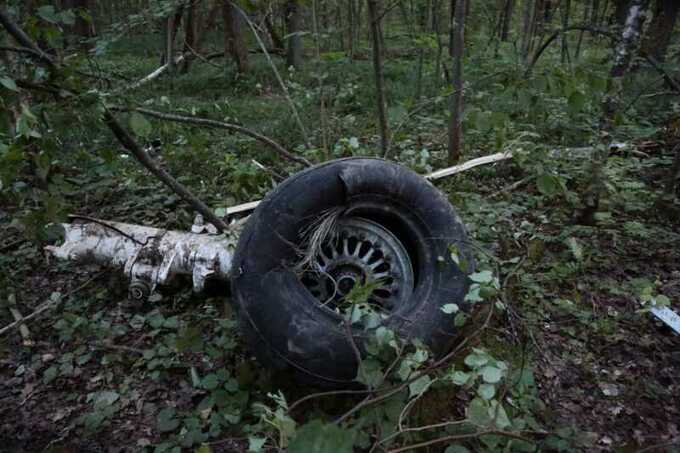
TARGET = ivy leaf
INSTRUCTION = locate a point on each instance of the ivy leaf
(498, 414)
(210, 382)
(319, 437)
(576, 101)
(8, 83)
(549, 185)
(450, 308)
(370, 373)
(140, 125)
(478, 412)
(50, 374)
(456, 449)
(486, 391)
(419, 386)
(255, 444)
(166, 421)
(575, 248)
(481, 277)
(491, 374)
(47, 13)
(460, 377)
(475, 360)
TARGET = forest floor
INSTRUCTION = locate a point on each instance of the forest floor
(100, 373)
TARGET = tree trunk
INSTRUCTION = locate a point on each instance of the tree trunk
(457, 70)
(293, 19)
(189, 36)
(565, 6)
(234, 43)
(352, 23)
(277, 42)
(374, 18)
(507, 19)
(526, 28)
(623, 53)
(658, 36)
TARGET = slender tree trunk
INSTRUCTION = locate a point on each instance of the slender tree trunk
(526, 28)
(277, 42)
(234, 44)
(587, 14)
(565, 7)
(507, 19)
(455, 136)
(623, 53)
(655, 42)
(351, 19)
(374, 18)
(189, 36)
(293, 17)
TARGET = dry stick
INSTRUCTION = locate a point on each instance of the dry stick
(444, 172)
(46, 306)
(143, 157)
(220, 125)
(276, 73)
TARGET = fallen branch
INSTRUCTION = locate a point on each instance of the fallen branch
(143, 157)
(444, 172)
(220, 125)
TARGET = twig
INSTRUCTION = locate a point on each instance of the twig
(143, 157)
(219, 125)
(46, 306)
(667, 77)
(444, 172)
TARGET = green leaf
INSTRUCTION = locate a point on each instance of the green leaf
(166, 421)
(549, 185)
(475, 360)
(140, 125)
(47, 13)
(255, 444)
(576, 102)
(478, 412)
(106, 398)
(419, 386)
(481, 277)
(370, 373)
(575, 248)
(8, 83)
(319, 437)
(498, 414)
(50, 374)
(210, 381)
(491, 374)
(450, 308)
(486, 391)
(460, 377)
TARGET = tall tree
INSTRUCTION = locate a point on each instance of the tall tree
(293, 25)
(234, 42)
(527, 27)
(375, 19)
(655, 42)
(508, 9)
(455, 136)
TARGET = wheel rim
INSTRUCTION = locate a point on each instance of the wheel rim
(361, 252)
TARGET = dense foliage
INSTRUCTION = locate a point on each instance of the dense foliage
(562, 353)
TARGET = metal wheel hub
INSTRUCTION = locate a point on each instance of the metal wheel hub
(361, 252)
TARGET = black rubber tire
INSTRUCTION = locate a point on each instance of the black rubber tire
(286, 327)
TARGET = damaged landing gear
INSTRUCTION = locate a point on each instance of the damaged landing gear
(316, 240)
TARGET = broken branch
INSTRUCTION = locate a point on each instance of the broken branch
(220, 125)
(143, 157)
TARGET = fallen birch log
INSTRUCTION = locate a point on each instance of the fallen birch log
(443, 173)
